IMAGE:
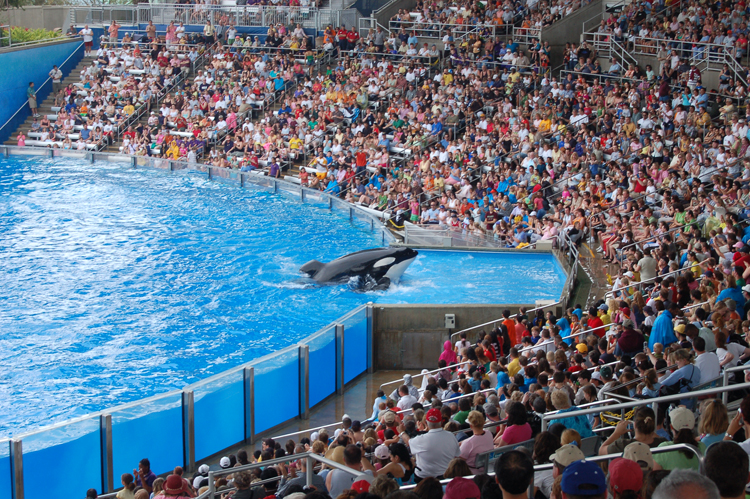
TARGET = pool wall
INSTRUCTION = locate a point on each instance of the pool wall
(182, 427)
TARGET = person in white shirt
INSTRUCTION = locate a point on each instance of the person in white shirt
(406, 400)
(707, 362)
(433, 450)
(88, 40)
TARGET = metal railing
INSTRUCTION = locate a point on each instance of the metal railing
(652, 401)
(422, 374)
(198, 14)
(501, 319)
(725, 379)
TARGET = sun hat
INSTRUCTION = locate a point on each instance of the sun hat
(625, 474)
(682, 418)
(567, 454)
(583, 478)
(388, 417)
(174, 485)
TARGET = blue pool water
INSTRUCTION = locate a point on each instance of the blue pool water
(120, 284)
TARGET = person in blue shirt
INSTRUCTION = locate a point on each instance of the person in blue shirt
(735, 293)
(333, 187)
(565, 330)
(686, 377)
(663, 329)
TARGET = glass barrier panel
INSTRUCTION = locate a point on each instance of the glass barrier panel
(355, 344)
(219, 413)
(322, 379)
(5, 484)
(151, 429)
(276, 394)
(62, 461)
(289, 187)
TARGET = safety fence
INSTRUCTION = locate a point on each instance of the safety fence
(181, 427)
(199, 14)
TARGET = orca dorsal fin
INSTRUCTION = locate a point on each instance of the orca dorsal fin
(311, 268)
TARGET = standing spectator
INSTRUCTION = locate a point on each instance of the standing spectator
(663, 330)
(433, 450)
(31, 94)
(88, 40)
(113, 30)
(151, 31)
(56, 76)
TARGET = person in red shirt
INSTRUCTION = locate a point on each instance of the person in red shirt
(343, 41)
(520, 329)
(352, 37)
(595, 323)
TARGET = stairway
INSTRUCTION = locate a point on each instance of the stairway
(45, 107)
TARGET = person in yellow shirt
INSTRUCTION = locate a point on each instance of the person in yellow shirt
(173, 151)
(128, 109)
(604, 314)
(514, 365)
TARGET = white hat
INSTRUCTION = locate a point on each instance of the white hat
(224, 462)
(382, 452)
(203, 469)
(596, 375)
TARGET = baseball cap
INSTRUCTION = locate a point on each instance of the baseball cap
(490, 409)
(382, 452)
(224, 462)
(596, 375)
(625, 474)
(583, 478)
(203, 469)
(604, 307)
(682, 418)
(639, 453)
(361, 486)
(461, 488)
(606, 372)
(582, 348)
(434, 416)
(567, 454)
(388, 417)
(629, 323)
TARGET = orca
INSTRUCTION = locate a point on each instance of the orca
(375, 269)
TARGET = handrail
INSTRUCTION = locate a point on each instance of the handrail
(49, 78)
(653, 401)
(422, 374)
(660, 276)
(725, 376)
(452, 399)
(503, 318)
(606, 457)
(673, 229)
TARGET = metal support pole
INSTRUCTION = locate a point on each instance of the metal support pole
(209, 172)
(16, 468)
(304, 381)
(725, 395)
(370, 363)
(351, 213)
(275, 186)
(105, 426)
(188, 429)
(330, 202)
(339, 359)
(171, 166)
(242, 179)
(249, 380)
(308, 471)
(6, 152)
(301, 193)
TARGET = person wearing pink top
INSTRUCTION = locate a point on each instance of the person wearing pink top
(517, 429)
(479, 442)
